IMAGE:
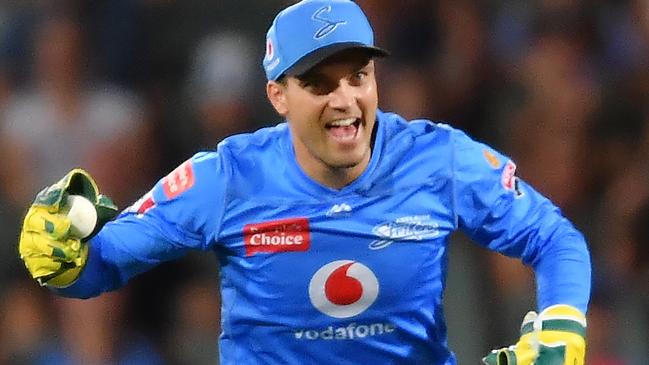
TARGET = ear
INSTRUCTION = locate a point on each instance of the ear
(276, 93)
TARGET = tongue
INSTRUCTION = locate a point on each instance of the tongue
(341, 132)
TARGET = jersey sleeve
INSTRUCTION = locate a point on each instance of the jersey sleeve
(182, 212)
(503, 213)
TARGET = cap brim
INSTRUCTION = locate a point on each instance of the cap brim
(312, 59)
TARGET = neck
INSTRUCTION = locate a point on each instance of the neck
(325, 174)
(335, 177)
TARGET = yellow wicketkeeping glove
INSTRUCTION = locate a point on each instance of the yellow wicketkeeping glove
(556, 336)
(52, 256)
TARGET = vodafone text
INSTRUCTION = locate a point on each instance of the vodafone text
(349, 332)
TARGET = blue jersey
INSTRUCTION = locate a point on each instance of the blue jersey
(311, 274)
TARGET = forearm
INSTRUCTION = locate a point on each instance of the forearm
(563, 272)
(97, 277)
(123, 249)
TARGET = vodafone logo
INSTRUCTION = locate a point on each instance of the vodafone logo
(343, 288)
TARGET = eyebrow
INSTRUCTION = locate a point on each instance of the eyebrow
(309, 76)
(312, 74)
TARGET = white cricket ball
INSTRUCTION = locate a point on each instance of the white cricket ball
(82, 215)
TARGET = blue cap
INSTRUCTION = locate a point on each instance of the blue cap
(306, 33)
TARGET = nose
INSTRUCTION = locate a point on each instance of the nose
(343, 97)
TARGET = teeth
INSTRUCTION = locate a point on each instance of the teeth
(343, 122)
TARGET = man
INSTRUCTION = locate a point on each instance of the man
(331, 228)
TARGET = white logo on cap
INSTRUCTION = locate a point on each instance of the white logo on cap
(343, 288)
(330, 25)
(269, 49)
(270, 54)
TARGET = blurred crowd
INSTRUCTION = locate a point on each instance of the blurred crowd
(128, 89)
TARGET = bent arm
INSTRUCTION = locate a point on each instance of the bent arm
(118, 253)
(506, 215)
(563, 272)
(181, 213)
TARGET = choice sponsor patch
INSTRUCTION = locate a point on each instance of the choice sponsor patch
(284, 235)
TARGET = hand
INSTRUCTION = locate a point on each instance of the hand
(554, 337)
(51, 254)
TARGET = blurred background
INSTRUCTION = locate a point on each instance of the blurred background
(128, 89)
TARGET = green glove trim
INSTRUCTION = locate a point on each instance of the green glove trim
(500, 357)
(551, 355)
(78, 182)
(564, 325)
(106, 211)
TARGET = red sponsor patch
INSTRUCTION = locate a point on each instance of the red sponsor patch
(508, 178)
(142, 205)
(179, 180)
(145, 204)
(284, 235)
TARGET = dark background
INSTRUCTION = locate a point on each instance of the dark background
(130, 89)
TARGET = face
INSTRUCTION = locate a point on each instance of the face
(331, 111)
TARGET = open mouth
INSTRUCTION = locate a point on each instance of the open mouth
(344, 130)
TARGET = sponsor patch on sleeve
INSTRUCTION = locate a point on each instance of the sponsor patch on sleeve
(491, 158)
(143, 205)
(284, 235)
(509, 180)
(179, 180)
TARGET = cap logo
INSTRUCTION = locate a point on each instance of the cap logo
(329, 25)
(269, 49)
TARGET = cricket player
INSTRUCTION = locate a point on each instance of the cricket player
(331, 227)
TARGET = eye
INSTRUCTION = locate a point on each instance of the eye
(316, 86)
(311, 84)
(358, 77)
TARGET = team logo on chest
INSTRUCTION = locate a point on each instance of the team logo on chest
(343, 288)
(412, 228)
